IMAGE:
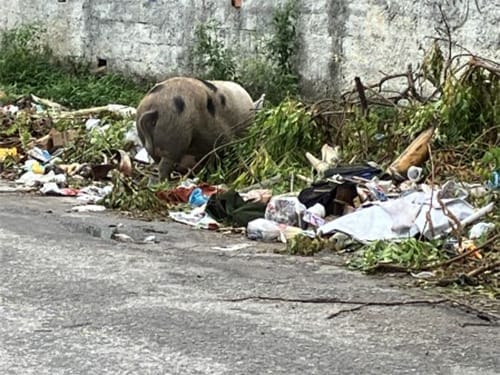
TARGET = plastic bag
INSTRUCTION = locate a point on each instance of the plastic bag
(285, 210)
(263, 230)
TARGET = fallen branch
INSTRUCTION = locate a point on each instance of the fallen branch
(48, 103)
(469, 275)
(483, 269)
(494, 324)
(428, 219)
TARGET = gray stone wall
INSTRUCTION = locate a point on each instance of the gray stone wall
(340, 39)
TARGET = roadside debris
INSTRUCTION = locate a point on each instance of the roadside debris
(68, 153)
(88, 208)
(382, 178)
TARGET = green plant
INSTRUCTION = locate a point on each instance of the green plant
(276, 143)
(28, 65)
(99, 143)
(275, 71)
(410, 253)
(274, 68)
(283, 46)
(211, 59)
(135, 195)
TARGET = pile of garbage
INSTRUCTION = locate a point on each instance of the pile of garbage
(347, 205)
(353, 206)
(38, 156)
(359, 201)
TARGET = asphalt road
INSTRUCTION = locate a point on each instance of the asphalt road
(75, 301)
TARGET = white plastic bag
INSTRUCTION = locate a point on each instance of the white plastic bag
(285, 210)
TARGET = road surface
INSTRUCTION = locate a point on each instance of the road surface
(75, 301)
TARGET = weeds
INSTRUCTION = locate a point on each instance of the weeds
(410, 254)
(27, 65)
(135, 196)
(272, 71)
(211, 59)
(275, 144)
(98, 144)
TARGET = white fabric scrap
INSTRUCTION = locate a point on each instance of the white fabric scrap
(143, 156)
(92, 194)
(197, 218)
(34, 179)
(88, 208)
(399, 218)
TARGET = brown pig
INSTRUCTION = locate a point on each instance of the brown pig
(182, 119)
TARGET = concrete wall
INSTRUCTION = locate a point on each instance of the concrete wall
(340, 39)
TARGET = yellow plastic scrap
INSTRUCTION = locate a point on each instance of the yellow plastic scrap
(37, 168)
(5, 152)
(470, 246)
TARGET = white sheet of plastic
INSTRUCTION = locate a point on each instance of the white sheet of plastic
(400, 218)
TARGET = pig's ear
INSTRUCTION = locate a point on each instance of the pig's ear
(148, 120)
(146, 124)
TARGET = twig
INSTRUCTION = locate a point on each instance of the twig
(428, 214)
(388, 101)
(263, 184)
(449, 40)
(337, 313)
(362, 96)
(483, 269)
(483, 315)
(389, 267)
(77, 325)
(411, 84)
(386, 78)
(463, 255)
(467, 276)
(459, 228)
(493, 324)
(474, 61)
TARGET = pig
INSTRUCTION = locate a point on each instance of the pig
(182, 119)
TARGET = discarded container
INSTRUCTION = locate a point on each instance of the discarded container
(61, 139)
(414, 155)
(414, 173)
(494, 182)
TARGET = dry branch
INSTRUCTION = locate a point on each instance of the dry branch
(463, 255)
